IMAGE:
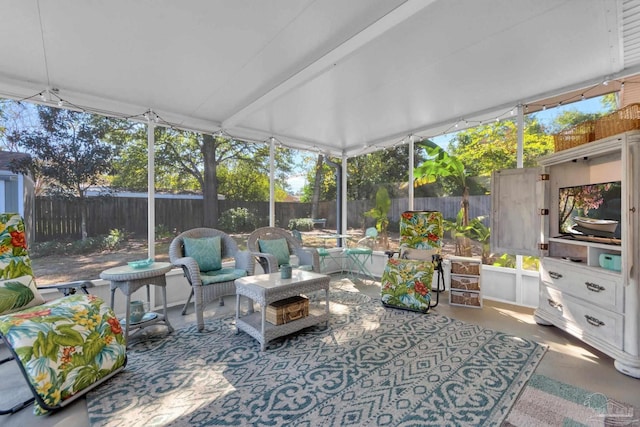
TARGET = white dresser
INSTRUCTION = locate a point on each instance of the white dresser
(598, 305)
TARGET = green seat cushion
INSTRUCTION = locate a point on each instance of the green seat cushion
(323, 252)
(277, 248)
(226, 274)
(206, 251)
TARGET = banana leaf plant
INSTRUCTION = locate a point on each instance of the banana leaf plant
(439, 164)
(380, 212)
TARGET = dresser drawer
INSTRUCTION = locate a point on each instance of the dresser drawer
(598, 287)
(583, 318)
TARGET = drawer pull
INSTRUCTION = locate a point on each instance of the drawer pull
(555, 275)
(554, 304)
(594, 287)
(593, 321)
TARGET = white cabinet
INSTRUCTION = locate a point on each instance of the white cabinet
(598, 305)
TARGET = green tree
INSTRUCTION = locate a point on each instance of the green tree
(189, 161)
(491, 147)
(240, 180)
(322, 176)
(66, 148)
(386, 167)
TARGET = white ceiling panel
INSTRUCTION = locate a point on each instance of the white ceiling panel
(331, 74)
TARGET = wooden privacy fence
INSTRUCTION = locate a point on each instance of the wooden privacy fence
(56, 219)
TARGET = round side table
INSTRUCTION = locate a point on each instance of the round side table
(129, 280)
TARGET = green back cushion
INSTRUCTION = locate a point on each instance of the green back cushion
(206, 251)
(277, 248)
(18, 293)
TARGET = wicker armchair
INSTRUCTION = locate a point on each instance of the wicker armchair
(308, 258)
(210, 283)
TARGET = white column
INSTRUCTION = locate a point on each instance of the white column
(151, 186)
(272, 184)
(519, 163)
(411, 167)
(520, 142)
(345, 177)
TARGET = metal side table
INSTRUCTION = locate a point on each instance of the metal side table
(129, 280)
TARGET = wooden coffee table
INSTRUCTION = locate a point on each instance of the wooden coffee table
(267, 288)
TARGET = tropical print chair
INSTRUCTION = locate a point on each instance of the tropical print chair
(63, 347)
(406, 280)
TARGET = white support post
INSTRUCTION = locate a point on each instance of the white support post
(272, 184)
(519, 163)
(151, 205)
(411, 167)
(520, 142)
(345, 177)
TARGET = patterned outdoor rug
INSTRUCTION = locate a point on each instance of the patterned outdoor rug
(372, 366)
(547, 402)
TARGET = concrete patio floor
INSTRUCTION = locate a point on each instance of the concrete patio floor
(567, 359)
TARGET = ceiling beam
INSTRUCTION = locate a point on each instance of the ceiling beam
(330, 59)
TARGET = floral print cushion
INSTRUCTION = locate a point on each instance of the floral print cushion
(421, 230)
(407, 284)
(406, 281)
(65, 346)
(13, 242)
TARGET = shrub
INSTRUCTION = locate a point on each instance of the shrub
(163, 232)
(301, 224)
(238, 219)
(115, 239)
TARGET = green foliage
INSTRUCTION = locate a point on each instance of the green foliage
(238, 219)
(509, 261)
(506, 261)
(456, 227)
(67, 149)
(493, 146)
(439, 164)
(301, 224)
(365, 174)
(240, 180)
(388, 167)
(115, 239)
(163, 232)
(327, 184)
(381, 210)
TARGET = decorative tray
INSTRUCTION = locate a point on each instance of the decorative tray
(141, 263)
(147, 317)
